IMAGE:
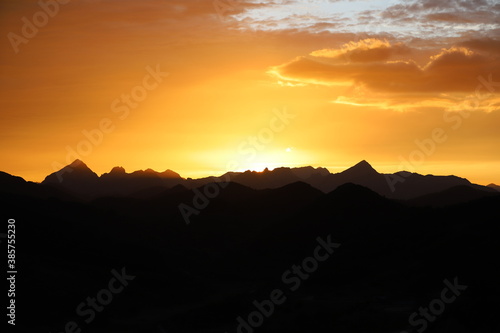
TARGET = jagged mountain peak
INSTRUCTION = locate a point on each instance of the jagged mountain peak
(170, 174)
(117, 170)
(363, 164)
(78, 164)
(362, 168)
(77, 167)
(77, 174)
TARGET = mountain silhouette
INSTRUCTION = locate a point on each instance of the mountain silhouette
(276, 178)
(362, 174)
(451, 196)
(81, 181)
(400, 185)
(17, 185)
(242, 242)
(360, 170)
(118, 182)
(494, 186)
(76, 177)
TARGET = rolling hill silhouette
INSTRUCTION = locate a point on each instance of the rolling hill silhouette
(452, 196)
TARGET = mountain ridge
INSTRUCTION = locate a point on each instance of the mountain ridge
(77, 178)
(494, 186)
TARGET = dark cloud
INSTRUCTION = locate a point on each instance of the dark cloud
(374, 66)
(448, 17)
(487, 45)
(444, 13)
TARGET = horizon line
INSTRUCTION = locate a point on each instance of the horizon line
(216, 174)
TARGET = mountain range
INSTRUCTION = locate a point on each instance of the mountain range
(396, 250)
(78, 181)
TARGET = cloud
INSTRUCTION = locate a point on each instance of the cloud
(444, 11)
(381, 76)
(486, 45)
(448, 17)
(366, 50)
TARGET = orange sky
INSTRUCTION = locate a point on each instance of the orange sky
(201, 87)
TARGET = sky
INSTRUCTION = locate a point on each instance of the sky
(202, 87)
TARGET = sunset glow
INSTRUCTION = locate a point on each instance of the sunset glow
(202, 89)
